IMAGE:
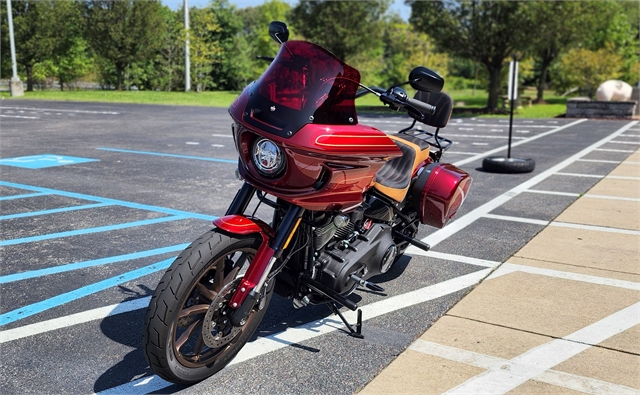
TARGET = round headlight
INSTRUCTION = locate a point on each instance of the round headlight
(267, 157)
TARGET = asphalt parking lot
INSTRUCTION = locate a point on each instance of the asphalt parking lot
(97, 199)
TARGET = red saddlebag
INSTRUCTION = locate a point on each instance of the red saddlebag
(439, 192)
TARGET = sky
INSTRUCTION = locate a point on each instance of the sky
(397, 6)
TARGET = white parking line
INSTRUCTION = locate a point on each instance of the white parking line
(588, 195)
(623, 178)
(508, 267)
(73, 319)
(296, 335)
(540, 359)
(614, 150)
(598, 161)
(469, 218)
(461, 153)
(61, 110)
(457, 258)
(557, 378)
(17, 116)
(595, 228)
(517, 219)
(552, 192)
(504, 147)
(625, 142)
(580, 175)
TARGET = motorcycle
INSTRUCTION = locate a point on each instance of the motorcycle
(347, 201)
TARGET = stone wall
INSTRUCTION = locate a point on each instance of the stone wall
(600, 109)
(635, 96)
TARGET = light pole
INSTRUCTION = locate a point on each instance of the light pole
(16, 85)
(187, 64)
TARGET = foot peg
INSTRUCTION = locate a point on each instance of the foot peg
(411, 240)
(367, 284)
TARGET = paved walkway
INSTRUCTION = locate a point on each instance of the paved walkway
(562, 316)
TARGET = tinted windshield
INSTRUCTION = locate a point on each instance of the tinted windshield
(304, 84)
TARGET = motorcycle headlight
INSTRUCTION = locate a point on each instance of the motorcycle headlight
(267, 157)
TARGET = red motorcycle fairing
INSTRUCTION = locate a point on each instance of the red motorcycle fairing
(305, 104)
(239, 224)
(328, 167)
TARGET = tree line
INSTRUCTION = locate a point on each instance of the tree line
(125, 44)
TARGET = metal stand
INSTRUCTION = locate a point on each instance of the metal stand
(357, 333)
(497, 164)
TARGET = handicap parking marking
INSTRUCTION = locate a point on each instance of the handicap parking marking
(44, 160)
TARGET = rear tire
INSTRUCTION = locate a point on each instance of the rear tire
(187, 337)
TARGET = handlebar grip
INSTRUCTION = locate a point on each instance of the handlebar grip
(427, 108)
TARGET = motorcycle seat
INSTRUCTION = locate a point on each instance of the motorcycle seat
(394, 177)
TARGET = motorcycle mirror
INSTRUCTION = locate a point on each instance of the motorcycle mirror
(424, 79)
(279, 31)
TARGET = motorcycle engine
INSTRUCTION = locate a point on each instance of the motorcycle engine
(349, 246)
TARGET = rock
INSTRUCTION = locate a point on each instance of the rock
(614, 90)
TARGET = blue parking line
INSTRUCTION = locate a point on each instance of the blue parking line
(95, 262)
(235, 162)
(54, 211)
(26, 195)
(90, 230)
(109, 201)
(35, 308)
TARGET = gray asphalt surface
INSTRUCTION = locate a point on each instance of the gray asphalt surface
(160, 174)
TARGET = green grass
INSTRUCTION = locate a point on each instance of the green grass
(209, 99)
(463, 100)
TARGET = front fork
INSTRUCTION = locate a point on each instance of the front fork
(272, 247)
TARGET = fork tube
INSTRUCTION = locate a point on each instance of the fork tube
(242, 199)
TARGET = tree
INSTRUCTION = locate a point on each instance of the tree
(358, 30)
(125, 31)
(564, 25)
(560, 25)
(618, 31)
(49, 37)
(406, 48)
(232, 69)
(587, 69)
(488, 32)
(168, 65)
(255, 32)
(32, 31)
(202, 48)
(69, 50)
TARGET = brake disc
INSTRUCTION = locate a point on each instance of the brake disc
(217, 329)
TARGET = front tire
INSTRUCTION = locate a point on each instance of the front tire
(188, 335)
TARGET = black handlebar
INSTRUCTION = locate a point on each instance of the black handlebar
(397, 98)
(422, 106)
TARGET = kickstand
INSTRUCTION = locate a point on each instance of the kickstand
(357, 333)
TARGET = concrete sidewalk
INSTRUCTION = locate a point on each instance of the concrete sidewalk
(561, 316)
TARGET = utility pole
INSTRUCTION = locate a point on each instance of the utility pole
(16, 85)
(187, 63)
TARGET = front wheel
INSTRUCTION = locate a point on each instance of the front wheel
(188, 335)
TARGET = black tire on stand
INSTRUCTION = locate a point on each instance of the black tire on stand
(187, 335)
(498, 164)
